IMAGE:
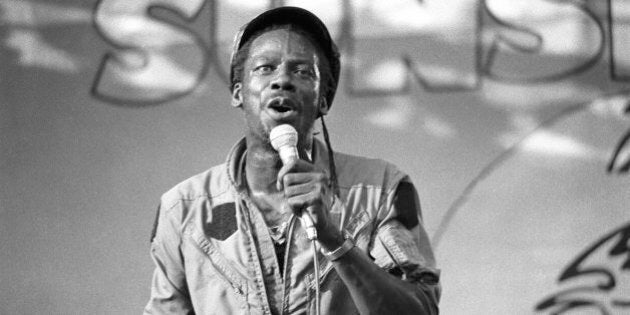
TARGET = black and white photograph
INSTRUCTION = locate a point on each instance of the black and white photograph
(273, 157)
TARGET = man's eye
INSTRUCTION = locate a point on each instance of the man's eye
(264, 69)
(304, 71)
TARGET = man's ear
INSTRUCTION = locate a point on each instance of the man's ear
(237, 96)
(323, 107)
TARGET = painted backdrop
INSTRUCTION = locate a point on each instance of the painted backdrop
(511, 116)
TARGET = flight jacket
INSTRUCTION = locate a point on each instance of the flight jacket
(213, 253)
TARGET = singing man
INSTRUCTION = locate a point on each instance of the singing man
(232, 240)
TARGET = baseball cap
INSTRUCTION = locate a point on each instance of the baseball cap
(307, 21)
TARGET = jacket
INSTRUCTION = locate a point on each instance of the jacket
(214, 255)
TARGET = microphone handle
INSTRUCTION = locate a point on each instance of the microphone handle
(309, 226)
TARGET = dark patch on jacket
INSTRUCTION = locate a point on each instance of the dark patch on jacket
(407, 204)
(223, 221)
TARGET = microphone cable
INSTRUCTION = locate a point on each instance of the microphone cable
(316, 267)
(311, 234)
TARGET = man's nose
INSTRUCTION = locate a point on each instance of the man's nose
(283, 81)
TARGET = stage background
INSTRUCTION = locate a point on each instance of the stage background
(510, 116)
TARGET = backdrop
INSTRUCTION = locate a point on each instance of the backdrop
(510, 116)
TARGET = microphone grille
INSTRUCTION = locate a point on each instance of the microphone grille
(283, 135)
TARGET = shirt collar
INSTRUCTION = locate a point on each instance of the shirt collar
(236, 161)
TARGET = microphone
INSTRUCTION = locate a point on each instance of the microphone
(284, 139)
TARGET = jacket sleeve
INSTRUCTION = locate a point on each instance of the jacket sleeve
(169, 292)
(402, 246)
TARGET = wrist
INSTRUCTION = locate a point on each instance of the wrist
(331, 238)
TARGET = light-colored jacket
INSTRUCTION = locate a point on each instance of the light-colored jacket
(214, 255)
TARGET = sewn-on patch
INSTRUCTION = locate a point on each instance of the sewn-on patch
(223, 221)
(407, 204)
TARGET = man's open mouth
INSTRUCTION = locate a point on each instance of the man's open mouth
(281, 105)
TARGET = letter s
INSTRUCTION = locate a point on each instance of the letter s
(154, 61)
(542, 40)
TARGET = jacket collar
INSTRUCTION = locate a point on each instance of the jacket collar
(235, 162)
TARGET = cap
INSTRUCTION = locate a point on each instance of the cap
(307, 21)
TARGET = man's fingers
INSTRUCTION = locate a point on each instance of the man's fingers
(296, 189)
(291, 179)
(293, 167)
(300, 202)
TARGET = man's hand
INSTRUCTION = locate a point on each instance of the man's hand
(307, 189)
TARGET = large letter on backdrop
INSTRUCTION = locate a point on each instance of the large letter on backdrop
(540, 40)
(619, 40)
(154, 61)
(433, 43)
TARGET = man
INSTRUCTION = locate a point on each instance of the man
(230, 241)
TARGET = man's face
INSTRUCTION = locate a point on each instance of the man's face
(281, 84)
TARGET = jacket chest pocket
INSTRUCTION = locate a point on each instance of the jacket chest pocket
(215, 286)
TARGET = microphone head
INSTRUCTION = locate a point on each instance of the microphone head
(283, 136)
